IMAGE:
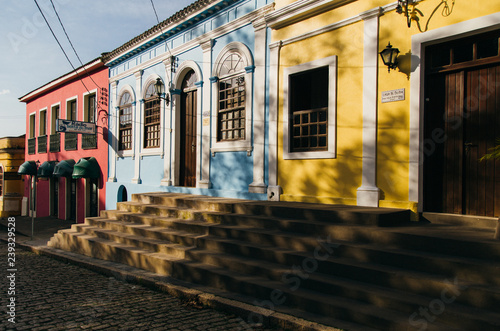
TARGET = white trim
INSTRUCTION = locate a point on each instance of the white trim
(205, 115)
(137, 128)
(301, 10)
(183, 69)
(368, 194)
(155, 150)
(123, 90)
(213, 34)
(331, 63)
(418, 44)
(39, 122)
(30, 127)
(273, 190)
(68, 100)
(237, 145)
(53, 123)
(85, 102)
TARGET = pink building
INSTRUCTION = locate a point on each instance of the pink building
(69, 169)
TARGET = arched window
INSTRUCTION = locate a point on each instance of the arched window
(231, 116)
(151, 118)
(125, 134)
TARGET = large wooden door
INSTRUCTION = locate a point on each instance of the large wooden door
(187, 167)
(461, 123)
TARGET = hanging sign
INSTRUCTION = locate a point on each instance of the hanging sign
(75, 126)
(393, 95)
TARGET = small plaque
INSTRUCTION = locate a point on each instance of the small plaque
(393, 95)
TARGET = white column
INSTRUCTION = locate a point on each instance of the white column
(137, 128)
(368, 192)
(167, 145)
(259, 107)
(204, 181)
(114, 126)
(273, 191)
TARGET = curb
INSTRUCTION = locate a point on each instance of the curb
(269, 318)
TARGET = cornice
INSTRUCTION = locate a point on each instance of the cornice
(180, 21)
(301, 10)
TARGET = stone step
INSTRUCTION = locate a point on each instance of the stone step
(385, 276)
(154, 245)
(287, 210)
(456, 315)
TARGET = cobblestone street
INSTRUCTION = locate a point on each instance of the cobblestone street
(51, 295)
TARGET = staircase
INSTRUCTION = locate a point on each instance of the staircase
(344, 266)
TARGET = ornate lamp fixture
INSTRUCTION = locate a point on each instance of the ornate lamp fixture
(403, 7)
(390, 57)
(159, 91)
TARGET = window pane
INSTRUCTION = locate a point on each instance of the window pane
(231, 115)
(487, 48)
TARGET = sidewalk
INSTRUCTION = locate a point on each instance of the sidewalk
(44, 228)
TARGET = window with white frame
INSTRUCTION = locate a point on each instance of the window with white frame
(309, 110)
(54, 116)
(151, 118)
(89, 107)
(32, 126)
(42, 130)
(71, 111)
(125, 118)
(232, 99)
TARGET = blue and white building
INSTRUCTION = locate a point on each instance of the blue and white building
(207, 133)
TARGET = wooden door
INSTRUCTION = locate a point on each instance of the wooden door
(187, 167)
(461, 123)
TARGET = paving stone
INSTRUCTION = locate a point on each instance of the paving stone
(52, 295)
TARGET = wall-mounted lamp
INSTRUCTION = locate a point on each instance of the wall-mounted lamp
(390, 57)
(403, 8)
(159, 91)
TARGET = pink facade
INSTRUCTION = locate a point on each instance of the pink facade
(80, 95)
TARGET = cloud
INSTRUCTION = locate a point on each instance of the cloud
(4, 91)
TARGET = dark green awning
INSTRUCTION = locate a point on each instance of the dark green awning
(86, 168)
(46, 169)
(27, 168)
(64, 168)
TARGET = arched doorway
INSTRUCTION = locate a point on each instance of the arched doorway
(187, 161)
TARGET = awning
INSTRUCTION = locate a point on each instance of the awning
(64, 168)
(86, 168)
(27, 168)
(46, 170)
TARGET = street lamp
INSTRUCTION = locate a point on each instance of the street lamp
(159, 91)
(390, 57)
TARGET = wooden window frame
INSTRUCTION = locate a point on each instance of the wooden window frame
(314, 153)
(231, 114)
(125, 132)
(152, 119)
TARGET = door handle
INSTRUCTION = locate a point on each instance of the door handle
(468, 146)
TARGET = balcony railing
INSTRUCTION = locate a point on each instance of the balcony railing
(89, 141)
(70, 141)
(55, 142)
(32, 146)
(42, 144)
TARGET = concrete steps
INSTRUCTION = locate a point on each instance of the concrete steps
(371, 267)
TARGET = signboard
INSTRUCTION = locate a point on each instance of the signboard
(75, 126)
(393, 95)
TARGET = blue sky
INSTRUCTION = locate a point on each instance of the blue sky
(30, 56)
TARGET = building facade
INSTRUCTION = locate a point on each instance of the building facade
(11, 185)
(66, 171)
(346, 130)
(205, 131)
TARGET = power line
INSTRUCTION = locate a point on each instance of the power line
(74, 50)
(166, 43)
(55, 37)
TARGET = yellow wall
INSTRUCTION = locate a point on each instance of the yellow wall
(337, 180)
(11, 157)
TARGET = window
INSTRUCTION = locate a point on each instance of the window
(151, 118)
(32, 126)
(31, 135)
(231, 112)
(89, 108)
(125, 127)
(309, 110)
(43, 123)
(71, 110)
(54, 116)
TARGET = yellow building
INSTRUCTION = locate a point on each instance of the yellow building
(11, 186)
(345, 129)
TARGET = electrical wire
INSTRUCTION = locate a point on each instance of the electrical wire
(57, 40)
(74, 50)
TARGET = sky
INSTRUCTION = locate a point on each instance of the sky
(30, 56)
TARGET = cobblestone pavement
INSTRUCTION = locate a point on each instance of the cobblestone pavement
(52, 295)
